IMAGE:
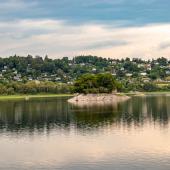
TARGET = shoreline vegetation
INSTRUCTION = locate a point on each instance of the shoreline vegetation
(27, 97)
(102, 87)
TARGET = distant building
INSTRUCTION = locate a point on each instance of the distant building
(146, 80)
(167, 72)
(122, 69)
(58, 79)
(30, 78)
(143, 74)
(140, 65)
(17, 78)
(94, 69)
(70, 82)
(128, 74)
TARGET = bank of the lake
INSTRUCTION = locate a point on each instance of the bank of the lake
(26, 97)
(145, 93)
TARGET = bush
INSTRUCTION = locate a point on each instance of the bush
(150, 87)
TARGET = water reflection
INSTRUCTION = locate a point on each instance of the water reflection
(52, 134)
(40, 114)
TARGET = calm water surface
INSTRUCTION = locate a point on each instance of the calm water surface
(49, 134)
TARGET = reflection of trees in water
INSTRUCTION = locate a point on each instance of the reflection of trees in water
(151, 108)
(34, 114)
(136, 111)
(50, 114)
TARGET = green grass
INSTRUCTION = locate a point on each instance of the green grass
(147, 93)
(15, 97)
(162, 84)
(158, 92)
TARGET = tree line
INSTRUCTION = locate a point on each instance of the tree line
(87, 83)
(33, 87)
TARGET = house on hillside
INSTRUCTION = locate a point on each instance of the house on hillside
(128, 74)
(143, 74)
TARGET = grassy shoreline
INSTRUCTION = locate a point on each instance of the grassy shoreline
(147, 93)
(26, 97)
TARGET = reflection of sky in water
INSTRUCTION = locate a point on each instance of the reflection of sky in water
(112, 147)
(52, 135)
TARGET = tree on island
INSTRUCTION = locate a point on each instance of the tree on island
(99, 83)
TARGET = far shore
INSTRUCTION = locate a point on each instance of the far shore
(146, 93)
(26, 97)
(30, 96)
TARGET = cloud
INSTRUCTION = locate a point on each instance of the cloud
(59, 38)
(15, 5)
(135, 12)
(164, 45)
(120, 28)
(106, 44)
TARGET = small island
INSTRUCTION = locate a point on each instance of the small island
(97, 99)
(97, 88)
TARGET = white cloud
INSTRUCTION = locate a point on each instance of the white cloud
(58, 39)
(8, 5)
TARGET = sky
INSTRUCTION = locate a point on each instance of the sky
(107, 28)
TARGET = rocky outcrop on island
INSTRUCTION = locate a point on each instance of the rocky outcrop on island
(84, 99)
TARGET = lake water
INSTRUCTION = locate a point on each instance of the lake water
(49, 134)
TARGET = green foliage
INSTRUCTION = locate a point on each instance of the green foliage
(153, 75)
(149, 87)
(99, 83)
(33, 87)
(106, 81)
(17, 74)
(85, 84)
(162, 61)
